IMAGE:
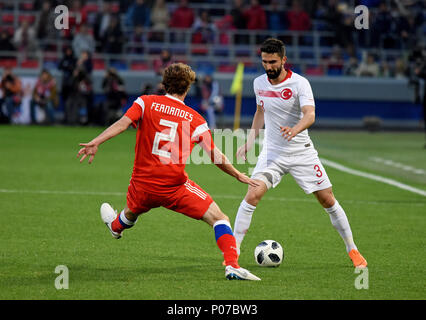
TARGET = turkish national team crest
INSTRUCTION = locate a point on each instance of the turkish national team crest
(286, 94)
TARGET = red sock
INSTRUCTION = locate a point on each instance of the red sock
(228, 245)
(116, 225)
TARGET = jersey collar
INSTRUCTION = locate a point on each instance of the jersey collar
(287, 76)
(171, 97)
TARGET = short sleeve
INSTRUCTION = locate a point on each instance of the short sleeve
(135, 112)
(203, 136)
(306, 96)
(255, 93)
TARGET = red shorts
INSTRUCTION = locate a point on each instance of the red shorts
(189, 199)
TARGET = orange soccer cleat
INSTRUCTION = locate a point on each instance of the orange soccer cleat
(357, 259)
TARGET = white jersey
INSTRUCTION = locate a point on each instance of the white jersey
(282, 105)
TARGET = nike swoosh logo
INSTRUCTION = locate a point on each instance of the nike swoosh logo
(320, 182)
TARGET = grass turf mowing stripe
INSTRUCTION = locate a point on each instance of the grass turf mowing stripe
(218, 196)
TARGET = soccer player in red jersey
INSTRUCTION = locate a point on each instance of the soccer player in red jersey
(167, 130)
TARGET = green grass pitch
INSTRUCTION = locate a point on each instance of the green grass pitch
(49, 216)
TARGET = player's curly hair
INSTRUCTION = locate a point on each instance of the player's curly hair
(177, 78)
(272, 45)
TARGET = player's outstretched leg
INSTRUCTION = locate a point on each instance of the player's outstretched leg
(340, 222)
(246, 210)
(226, 242)
(115, 223)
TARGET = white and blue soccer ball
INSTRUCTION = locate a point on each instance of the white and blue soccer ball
(269, 253)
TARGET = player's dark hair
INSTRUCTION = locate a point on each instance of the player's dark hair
(177, 78)
(273, 45)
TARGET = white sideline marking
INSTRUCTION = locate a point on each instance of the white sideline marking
(398, 165)
(391, 182)
(214, 196)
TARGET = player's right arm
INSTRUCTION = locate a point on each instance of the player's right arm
(223, 163)
(90, 149)
(206, 142)
(257, 124)
(132, 116)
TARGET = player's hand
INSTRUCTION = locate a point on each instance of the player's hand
(242, 151)
(89, 149)
(288, 133)
(244, 179)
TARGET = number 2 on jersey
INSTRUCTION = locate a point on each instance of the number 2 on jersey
(165, 137)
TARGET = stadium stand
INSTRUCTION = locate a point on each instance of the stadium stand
(213, 36)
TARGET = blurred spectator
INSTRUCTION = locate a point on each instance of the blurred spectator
(6, 43)
(384, 69)
(77, 17)
(255, 16)
(24, 39)
(45, 21)
(239, 21)
(224, 25)
(339, 23)
(407, 29)
(85, 62)
(183, 16)
(298, 19)
(211, 100)
(11, 88)
(276, 17)
(204, 29)
(83, 41)
(400, 69)
(113, 38)
(81, 95)
(368, 67)
(138, 14)
(383, 27)
(351, 67)
(115, 98)
(237, 13)
(160, 18)
(45, 97)
(162, 62)
(159, 89)
(102, 21)
(147, 89)
(137, 40)
(335, 61)
(67, 66)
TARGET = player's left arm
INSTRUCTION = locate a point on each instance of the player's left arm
(307, 120)
(90, 149)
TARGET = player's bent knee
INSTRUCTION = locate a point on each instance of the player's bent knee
(214, 214)
(326, 198)
(254, 195)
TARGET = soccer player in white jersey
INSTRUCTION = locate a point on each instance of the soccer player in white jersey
(286, 106)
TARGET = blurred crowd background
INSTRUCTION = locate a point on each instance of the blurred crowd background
(116, 38)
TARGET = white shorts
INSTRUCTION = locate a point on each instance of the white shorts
(305, 167)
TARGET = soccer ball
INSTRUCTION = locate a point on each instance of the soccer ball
(269, 253)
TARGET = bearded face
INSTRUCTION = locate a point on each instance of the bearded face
(273, 64)
(274, 73)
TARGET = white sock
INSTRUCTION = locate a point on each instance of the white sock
(123, 219)
(341, 224)
(242, 221)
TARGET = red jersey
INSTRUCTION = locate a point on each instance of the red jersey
(167, 132)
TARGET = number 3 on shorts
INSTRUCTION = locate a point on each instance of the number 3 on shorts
(318, 170)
